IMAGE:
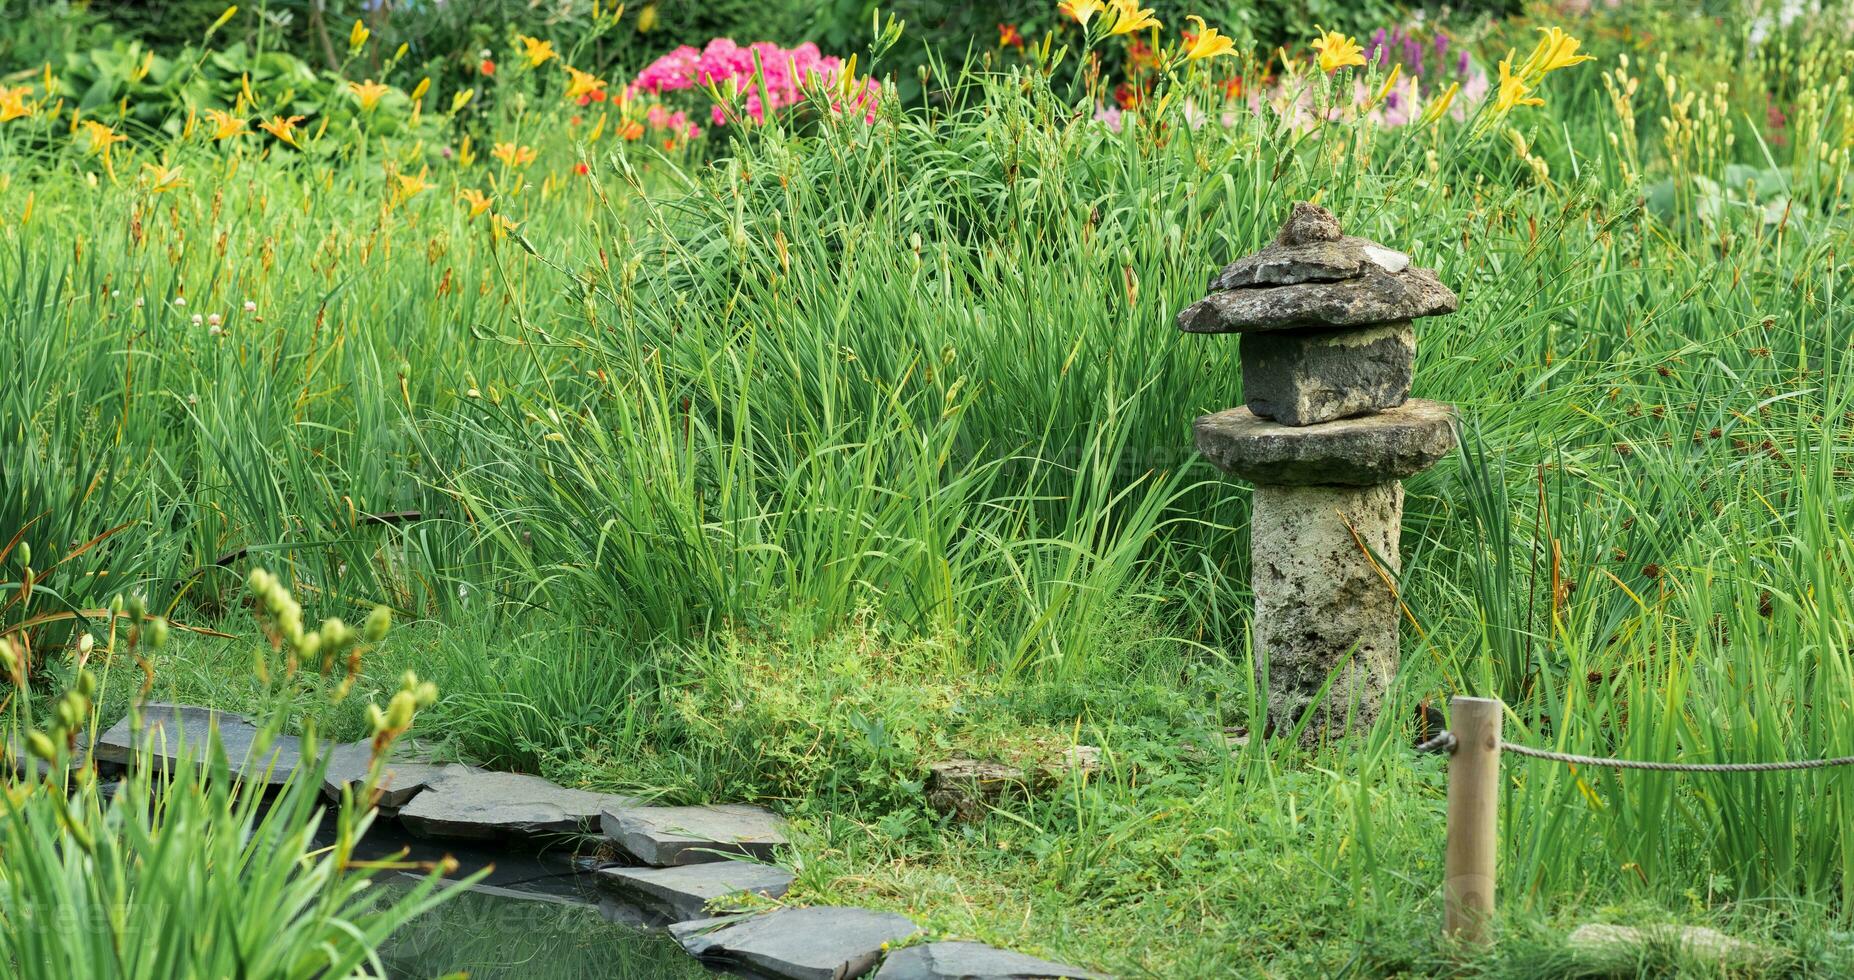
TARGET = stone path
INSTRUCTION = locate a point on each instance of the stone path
(686, 892)
(661, 836)
(476, 804)
(819, 943)
(699, 856)
(972, 961)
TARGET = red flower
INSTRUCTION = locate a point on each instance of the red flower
(598, 95)
(581, 169)
(487, 67)
(1008, 37)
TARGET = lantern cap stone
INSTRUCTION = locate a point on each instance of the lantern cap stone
(1312, 276)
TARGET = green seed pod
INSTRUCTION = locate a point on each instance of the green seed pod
(259, 582)
(399, 711)
(25, 555)
(336, 637)
(116, 605)
(138, 607)
(378, 622)
(157, 632)
(87, 683)
(42, 746)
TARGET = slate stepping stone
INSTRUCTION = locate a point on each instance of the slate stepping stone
(822, 943)
(685, 891)
(1363, 451)
(167, 727)
(466, 803)
(403, 779)
(662, 836)
(973, 961)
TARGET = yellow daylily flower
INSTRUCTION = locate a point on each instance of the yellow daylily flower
(99, 138)
(1554, 51)
(369, 93)
(1513, 88)
(1206, 42)
(423, 86)
(358, 35)
(1129, 16)
(283, 128)
(461, 98)
(478, 201)
(1336, 50)
(13, 103)
(582, 83)
(162, 179)
(1082, 10)
(646, 18)
(512, 155)
(225, 125)
(411, 185)
(536, 51)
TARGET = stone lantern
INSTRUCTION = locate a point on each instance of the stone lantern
(1327, 433)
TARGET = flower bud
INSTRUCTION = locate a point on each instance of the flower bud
(378, 622)
(38, 744)
(157, 632)
(336, 637)
(25, 554)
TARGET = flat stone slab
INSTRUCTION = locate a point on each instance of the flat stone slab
(685, 891)
(466, 803)
(973, 961)
(663, 836)
(1373, 296)
(1389, 445)
(167, 727)
(403, 779)
(1624, 945)
(822, 943)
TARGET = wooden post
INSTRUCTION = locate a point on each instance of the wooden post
(1473, 820)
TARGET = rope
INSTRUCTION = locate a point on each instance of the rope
(1589, 760)
(1445, 742)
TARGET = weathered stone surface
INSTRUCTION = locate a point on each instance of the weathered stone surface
(1308, 223)
(1314, 376)
(1374, 295)
(1624, 945)
(670, 835)
(1389, 445)
(972, 961)
(968, 789)
(821, 943)
(405, 775)
(1322, 604)
(466, 803)
(684, 892)
(167, 727)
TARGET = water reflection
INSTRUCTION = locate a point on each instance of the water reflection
(491, 934)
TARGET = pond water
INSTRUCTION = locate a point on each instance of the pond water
(536, 915)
